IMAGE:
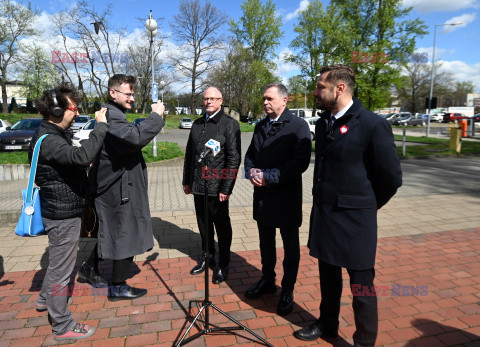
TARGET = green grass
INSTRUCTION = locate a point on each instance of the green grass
(17, 157)
(246, 128)
(165, 151)
(12, 118)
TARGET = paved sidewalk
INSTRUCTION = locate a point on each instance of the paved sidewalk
(428, 296)
(429, 243)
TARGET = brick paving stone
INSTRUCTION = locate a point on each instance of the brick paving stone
(453, 338)
(141, 340)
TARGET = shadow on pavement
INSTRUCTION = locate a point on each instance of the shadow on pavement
(171, 236)
(429, 329)
(240, 277)
(2, 273)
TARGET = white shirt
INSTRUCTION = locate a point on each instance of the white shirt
(210, 116)
(342, 111)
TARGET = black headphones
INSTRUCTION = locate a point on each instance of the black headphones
(56, 111)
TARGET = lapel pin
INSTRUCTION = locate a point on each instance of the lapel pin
(343, 129)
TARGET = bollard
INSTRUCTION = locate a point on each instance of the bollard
(404, 142)
(463, 126)
(456, 139)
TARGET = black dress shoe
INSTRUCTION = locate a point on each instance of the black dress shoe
(88, 273)
(124, 292)
(285, 305)
(260, 288)
(200, 267)
(220, 275)
(315, 331)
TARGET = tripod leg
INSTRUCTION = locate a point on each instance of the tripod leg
(190, 327)
(242, 326)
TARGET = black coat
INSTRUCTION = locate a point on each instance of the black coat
(283, 154)
(228, 159)
(357, 171)
(119, 181)
(61, 170)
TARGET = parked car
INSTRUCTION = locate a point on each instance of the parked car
(452, 117)
(311, 121)
(414, 120)
(395, 117)
(79, 122)
(83, 133)
(18, 136)
(476, 118)
(436, 117)
(186, 123)
(4, 125)
(138, 120)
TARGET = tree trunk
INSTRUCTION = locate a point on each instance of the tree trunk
(4, 96)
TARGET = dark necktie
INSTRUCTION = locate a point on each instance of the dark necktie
(331, 122)
(270, 123)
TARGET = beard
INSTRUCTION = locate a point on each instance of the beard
(327, 104)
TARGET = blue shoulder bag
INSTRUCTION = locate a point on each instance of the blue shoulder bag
(30, 223)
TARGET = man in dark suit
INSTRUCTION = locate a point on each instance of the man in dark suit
(357, 171)
(219, 176)
(278, 155)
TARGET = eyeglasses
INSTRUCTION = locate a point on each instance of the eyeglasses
(211, 99)
(128, 95)
(74, 109)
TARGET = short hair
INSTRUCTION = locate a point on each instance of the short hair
(340, 73)
(117, 80)
(282, 90)
(63, 92)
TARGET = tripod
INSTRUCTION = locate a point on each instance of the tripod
(206, 303)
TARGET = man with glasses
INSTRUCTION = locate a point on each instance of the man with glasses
(220, 174)
(118, 181)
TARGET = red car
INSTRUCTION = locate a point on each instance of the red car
(452, 117)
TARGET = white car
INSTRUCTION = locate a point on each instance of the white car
(186, 123)
(311, 121)
(3, 125)
(79, 122)
(436, 117)
(84, 132)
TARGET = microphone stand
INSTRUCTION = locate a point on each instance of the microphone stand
(206, 304)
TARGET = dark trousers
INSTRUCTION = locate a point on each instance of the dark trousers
(120, 268)
(291, 259)
(218, 215)
(364, 301)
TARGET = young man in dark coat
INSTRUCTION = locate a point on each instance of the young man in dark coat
(357, 171)
(278, 155)
(220, 178)
(118, 180)
(62, 177)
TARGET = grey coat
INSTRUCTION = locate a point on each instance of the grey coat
(119, 181)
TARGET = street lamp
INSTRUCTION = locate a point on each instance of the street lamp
(151, 25)
(431, 75)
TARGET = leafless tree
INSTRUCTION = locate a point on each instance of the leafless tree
(197, 28)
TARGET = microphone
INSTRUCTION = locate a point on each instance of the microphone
(212, 147)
